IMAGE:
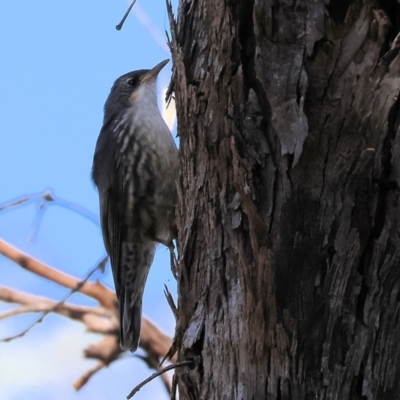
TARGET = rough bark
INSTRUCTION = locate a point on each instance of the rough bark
(288, 219)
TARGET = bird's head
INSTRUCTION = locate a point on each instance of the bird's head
(133, 88)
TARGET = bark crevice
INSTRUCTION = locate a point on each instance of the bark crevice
(289, 250)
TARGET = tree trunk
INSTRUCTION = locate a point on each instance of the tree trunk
(288, 218)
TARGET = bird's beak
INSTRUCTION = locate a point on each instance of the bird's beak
(152, 74)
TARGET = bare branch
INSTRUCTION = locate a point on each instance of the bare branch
(154, 363)
(37, 220)
(78, 286)
(96, 319)
(79, 383)
(106, 350)
(158, 373)
(50, 198)
(95, 290)
(102, 319)
(119, 26)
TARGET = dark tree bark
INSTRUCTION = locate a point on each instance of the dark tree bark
(288, 218)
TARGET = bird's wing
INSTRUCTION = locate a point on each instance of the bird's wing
(104, 176)
(124, 182)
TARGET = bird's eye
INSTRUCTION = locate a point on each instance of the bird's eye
(131, 82)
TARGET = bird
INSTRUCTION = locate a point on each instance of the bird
(135, 169)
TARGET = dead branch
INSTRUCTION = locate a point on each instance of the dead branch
(155, 364)
(96, 319)
(80, 382)
(58, 304)
(49, 197)
(95, 290)
(158, 373)
(101, 319)
(119, 26)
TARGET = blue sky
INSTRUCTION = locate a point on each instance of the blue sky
(58, 61)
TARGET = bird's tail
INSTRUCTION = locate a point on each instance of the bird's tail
(131, 318)
(131, 293)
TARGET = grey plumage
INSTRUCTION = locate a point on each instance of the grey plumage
(135, 168)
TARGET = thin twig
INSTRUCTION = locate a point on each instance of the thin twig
(30, 303)
(96, 290)
(50, 198)
(158, 373)
(60, 303)
(18, 311)
(119, 26)
(153, 363)
(37, 221)
(102, 319)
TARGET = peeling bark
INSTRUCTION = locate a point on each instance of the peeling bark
(288, 220)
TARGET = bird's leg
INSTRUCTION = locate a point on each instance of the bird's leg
(174, 261)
